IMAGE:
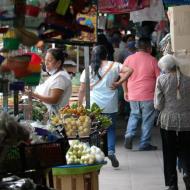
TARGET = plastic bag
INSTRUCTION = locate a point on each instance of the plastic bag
(16, 183)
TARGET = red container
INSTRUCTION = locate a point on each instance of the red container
(31, 10)
(34, 65)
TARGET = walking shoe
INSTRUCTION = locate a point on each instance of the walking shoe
(186, 180)
(114, 161)
(172, 188)
(148, 148)
(128, 143)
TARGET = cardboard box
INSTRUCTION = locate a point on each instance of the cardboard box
(180, 27)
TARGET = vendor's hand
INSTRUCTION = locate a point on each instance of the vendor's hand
(28, 92)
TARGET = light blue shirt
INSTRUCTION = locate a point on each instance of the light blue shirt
(101, 93)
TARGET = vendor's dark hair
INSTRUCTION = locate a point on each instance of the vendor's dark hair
(58, 54)
(144, 43)
(99, 53)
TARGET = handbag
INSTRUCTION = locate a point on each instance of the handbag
(109, 68)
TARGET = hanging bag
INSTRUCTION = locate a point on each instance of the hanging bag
(109, 68)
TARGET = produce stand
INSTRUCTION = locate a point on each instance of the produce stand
(35, 160)
(77, 177)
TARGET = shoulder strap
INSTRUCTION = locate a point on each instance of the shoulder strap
(91, 86)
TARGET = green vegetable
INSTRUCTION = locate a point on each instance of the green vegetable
(74, 105)
(96, 109)
(104, 120)
(38, 111)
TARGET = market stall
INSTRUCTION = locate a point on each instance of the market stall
(23, 29)
(73, 142)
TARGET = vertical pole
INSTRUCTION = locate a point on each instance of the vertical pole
(86, 62)
(78, 55)
(5, 94)
(16, 103)
(19, 12)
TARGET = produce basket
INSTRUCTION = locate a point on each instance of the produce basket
(100, 140)
(36, 156)
(77, 169)
(97, 139)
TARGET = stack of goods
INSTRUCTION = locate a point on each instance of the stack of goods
(80, 122)
(81, 153)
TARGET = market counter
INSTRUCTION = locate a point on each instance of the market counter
(77, 177)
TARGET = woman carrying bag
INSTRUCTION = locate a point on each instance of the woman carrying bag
(104, 81)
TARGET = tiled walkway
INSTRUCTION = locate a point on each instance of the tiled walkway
(138, 170)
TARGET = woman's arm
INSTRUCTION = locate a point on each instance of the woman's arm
(55, 96)
(82, 91)
(158, 96)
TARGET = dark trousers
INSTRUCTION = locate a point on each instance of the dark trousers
(175, 145)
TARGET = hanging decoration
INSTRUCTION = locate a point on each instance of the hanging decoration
(51, 20)
(10, 40)
(69, 21)
(26, 67)
(89, 20)
(121, 6)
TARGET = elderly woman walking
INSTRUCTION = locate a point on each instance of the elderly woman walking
(172, 98)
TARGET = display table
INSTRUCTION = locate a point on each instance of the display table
(77, 177)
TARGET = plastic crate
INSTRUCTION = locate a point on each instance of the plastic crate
(36, 156)
(101, 143)
(10, 159)
(46, 155)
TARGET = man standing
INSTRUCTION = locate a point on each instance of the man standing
(139, 91)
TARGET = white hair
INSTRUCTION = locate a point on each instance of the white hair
(167, 63)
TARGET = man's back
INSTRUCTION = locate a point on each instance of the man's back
(142, 82)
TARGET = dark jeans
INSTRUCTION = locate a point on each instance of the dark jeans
(175, 145)
(111, 136)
